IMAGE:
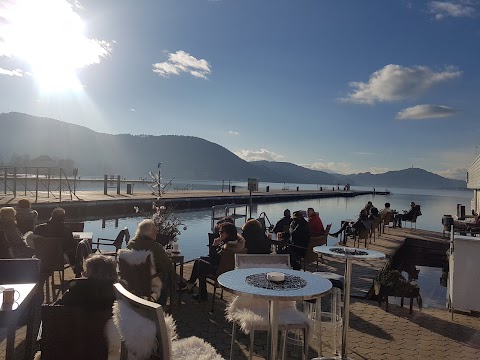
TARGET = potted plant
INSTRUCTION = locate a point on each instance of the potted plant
(168, 224)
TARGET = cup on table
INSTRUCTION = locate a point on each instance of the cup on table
(9, 295)
(176, 247)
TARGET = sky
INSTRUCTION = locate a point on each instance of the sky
(342, 86)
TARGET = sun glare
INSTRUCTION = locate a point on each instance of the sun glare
(49, 37)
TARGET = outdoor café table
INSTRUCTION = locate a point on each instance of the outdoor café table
(305, 286)
(348, 254)
(83, 235)
(10, 313)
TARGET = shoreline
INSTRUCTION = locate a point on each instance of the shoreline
(95, 203)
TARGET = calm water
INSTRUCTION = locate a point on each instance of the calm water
(434, 204)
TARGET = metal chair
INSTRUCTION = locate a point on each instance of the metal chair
(412, 221)
(147, 315)
(363, 234)
(311, 256)
(50, 253)
(83, 251)
(376, 226)
(389, 218)
(123, 236)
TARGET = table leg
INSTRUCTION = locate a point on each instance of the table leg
(30, 326)
(273, 330)
(11, 328)
(346, 307)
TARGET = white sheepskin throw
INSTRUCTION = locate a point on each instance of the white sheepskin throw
(114, 340)
(194, 348)
(138, 257)
(252, 314)
(138, 333)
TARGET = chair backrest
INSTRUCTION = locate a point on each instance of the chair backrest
(227, 261)
(50, 252)
(136, 275)
(123, 235)
(211, 237)
(244, 261)
(73, 333)
(19, 271)
(25, 225)
(83, 251)
(76, 226)
(310, 255)
(149, 311)
(5, 251)
(389, 217)
(376, 222)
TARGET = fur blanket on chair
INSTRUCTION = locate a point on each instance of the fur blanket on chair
(138, 257)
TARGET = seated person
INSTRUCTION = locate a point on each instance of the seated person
(144, 239)
(284, 223)
(374, 214)
(300, 236)
(95, 290)
(385, 211)
(226, 219)
(256, 241)
(315, 224)
(351, 228)
(368, 207)
(13, 236)
(408, 215)
(228, 240)
(55, 227)
(26, 217)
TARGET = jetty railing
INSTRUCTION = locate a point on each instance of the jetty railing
(35, 181)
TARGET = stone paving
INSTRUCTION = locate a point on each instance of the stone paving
(428, 333)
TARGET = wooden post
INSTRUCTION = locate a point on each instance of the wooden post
(26, 180)
(36, 187)
(60, 185)
(105, 184)
(6, 178)
(15, 182)
(48, 183)
(118, 184)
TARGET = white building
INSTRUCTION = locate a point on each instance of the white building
(473, 182)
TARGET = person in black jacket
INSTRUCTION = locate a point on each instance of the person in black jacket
(300, 237)
(55, 227)
(284, 223)
(95, 290)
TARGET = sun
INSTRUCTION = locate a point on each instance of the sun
(49, 36)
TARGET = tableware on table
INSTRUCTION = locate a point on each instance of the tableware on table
(176, 248)
(275, 276)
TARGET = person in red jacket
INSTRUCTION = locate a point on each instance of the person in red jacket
(315, 223)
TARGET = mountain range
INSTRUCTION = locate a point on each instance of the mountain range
(27, 140)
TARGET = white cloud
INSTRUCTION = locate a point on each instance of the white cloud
(396, 82)
(16, 72)
(426, 112)
(453, 173)
(457, 9)
(254, 155)
(132, 109)
(233, 133)
(179, 62)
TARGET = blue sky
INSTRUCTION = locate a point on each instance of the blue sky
(343, 86)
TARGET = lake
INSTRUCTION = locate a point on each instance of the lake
(434, 204)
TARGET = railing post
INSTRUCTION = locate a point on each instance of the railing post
(105, 185)
(36, 187)
(6, 178)
(118, 184)
(48, 183)
(15, 182)
(26, 180)
(60, 172)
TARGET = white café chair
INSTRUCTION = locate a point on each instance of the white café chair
(146, 332)
(252, 314)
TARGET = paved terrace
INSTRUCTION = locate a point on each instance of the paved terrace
(428, 333)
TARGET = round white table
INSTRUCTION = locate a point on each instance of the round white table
(236, 282)
(348, 254)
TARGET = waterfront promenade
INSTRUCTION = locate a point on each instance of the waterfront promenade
(428, 333)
